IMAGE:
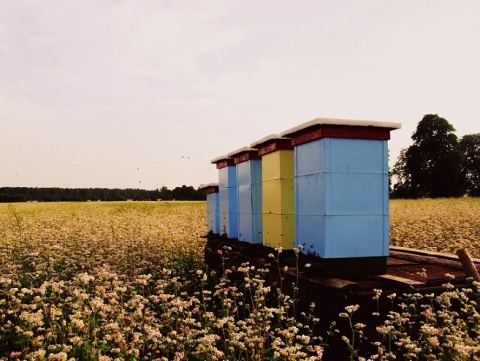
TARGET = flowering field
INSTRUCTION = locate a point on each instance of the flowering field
(126, 281)
(441, 225)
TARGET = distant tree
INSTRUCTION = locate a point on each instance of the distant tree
(22, 194)
(182, 193)
(470, 145)
(11, 198)
(199, 195)
(165, 194)
(189, 193)
(402, 188)
(432, 165)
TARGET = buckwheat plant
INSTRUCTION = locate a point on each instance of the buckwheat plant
(126, 281)
(429, 327)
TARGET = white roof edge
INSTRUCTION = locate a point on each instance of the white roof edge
(267, 138)
(206, 185)
(220, 158)
(241, 150)
(334, 121)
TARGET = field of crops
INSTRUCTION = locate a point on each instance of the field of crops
(126, 281)
(441, 225)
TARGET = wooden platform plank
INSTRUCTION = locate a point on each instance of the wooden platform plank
(422, 258)
(402, 280)
(448, 256)
(336, 283)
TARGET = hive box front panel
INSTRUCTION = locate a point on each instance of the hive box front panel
(278, 196)
(227, 177)
(213, 214)
(250, 213)
(278, 230)
(278, 165)
(344, 236)
(249, 177)
(278, 199)
(249, 172)
(228, 190)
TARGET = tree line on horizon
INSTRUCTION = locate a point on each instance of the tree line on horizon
(438, 164)
(53, 194)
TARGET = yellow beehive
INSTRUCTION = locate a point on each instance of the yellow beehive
(277, 191)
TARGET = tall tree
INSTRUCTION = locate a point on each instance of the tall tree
(470, 145)
(165, 194)
(432, 165)
(402, 188)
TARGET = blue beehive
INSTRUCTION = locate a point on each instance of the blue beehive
(341, 187)
(227, 189)
(249, 181)
(213, 207)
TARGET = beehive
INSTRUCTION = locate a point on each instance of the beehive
(341, 187)
(249, 181)
(228, 198)
(213, 207)
(278, 216)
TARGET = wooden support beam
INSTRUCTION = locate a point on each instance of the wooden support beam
(468, 265)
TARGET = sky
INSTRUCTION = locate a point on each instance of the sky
(145, 93)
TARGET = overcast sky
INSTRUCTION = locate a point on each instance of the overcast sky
(144, 93)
